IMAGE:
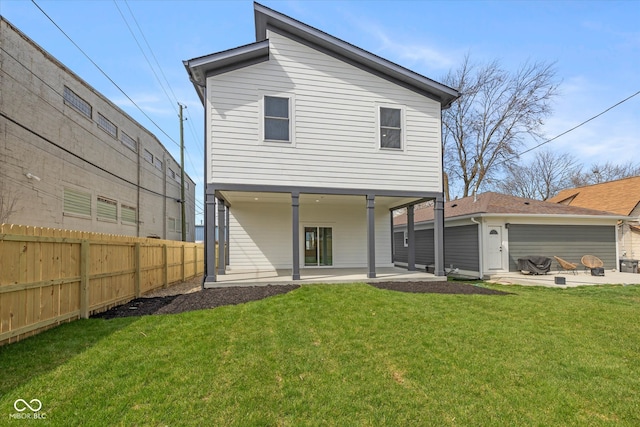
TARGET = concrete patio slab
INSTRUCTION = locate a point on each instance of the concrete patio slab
(319, 275)
(571, 280)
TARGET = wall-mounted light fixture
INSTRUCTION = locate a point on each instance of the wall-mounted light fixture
(32, 176)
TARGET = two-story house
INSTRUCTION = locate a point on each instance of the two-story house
(311, 143)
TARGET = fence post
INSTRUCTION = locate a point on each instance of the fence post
(165, 258)
(184, 261)
(137, 261)
(195, 260)
(84, 279)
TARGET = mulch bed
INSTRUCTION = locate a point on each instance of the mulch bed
(437, 288)
(216, 297)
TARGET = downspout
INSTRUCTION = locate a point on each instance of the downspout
(480, 248)
(206, 181)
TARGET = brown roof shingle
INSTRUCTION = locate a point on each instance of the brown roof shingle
(620, 197)
(496, 203)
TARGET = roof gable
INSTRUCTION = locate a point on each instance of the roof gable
(269, 19)
(620, 197)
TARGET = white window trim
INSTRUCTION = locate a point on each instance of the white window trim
(292, 119)
(403, 131)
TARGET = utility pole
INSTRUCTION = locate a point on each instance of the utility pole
(183, 200)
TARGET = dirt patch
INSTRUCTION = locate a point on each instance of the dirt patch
(167, 302)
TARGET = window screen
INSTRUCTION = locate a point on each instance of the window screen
(276, 118)
(390, 127)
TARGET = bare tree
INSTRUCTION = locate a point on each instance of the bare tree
(8, 201)
(605, 172)
(488, 123)
(544, 177)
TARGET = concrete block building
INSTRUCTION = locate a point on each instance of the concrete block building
(71, 159)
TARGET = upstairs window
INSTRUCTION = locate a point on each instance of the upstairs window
(277, 119)
(148, 156)
(107, 126)
(71, 98)
(128, 141)
(390, 128)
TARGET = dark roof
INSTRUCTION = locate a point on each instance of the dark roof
(266, 18)
(621, 196)
(496, 203)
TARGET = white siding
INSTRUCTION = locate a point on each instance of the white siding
(335, 124)
(255, 246)
(259, 236)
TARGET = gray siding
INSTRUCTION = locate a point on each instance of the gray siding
(425, 254)
(461, 247)
(400, 252)
(570, 242)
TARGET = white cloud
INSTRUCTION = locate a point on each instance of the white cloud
(412, 53)
(405, 48)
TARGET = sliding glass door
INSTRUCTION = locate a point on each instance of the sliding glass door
(318, 248)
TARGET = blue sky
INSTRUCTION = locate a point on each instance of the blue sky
(595, 45)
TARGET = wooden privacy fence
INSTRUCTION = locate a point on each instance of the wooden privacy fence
(50, 276)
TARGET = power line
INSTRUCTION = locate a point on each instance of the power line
(570, 130)
(113, 82)
(104, 73)
(175, 99)
(143, 53)
(33, 132)
(89, 131)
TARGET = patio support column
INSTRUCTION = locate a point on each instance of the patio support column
(222, 234)
(226, 255)
(393, 238)
(371, 237)
(295, 232)
(411, 257)
(210, 238)
(438, 236)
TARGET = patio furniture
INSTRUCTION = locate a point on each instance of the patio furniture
(594, 264)
(534, 265)
(566, 265)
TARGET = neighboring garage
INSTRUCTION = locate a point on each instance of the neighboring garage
(486, 234)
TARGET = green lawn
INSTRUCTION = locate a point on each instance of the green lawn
(344, 355)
